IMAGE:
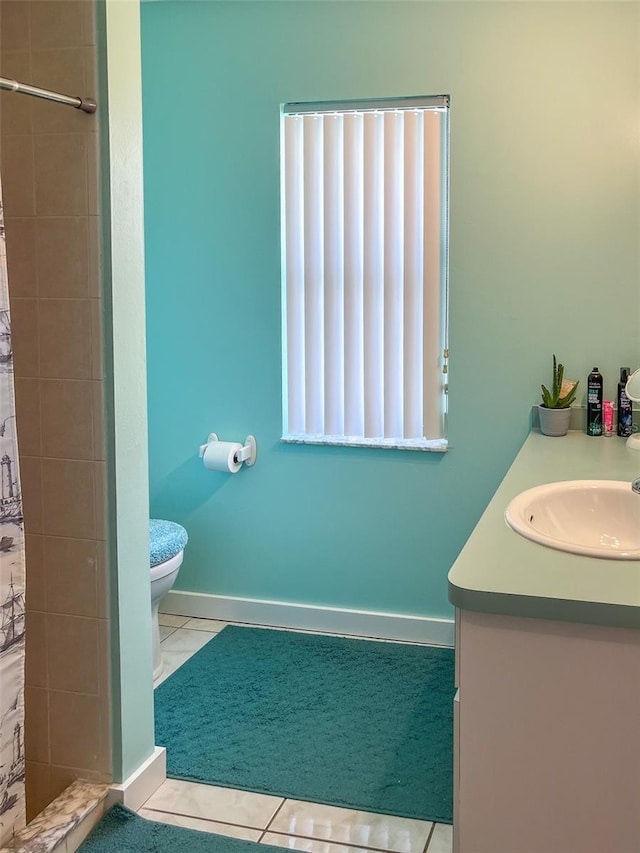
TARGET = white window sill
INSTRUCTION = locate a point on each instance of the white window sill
(436, 445)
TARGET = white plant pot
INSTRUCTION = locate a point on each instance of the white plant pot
(554, 422)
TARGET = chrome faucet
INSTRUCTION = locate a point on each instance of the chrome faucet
(636, 486)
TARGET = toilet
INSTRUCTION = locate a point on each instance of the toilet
(167, 541)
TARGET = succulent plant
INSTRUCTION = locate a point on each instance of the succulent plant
(563, 391)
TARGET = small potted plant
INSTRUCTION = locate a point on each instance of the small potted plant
(555, 411)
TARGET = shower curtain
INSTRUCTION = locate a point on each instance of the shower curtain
(12, 583)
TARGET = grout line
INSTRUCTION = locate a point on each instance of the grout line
(171, 626)
(200, 628)
(206, 819)
(189, 631)
(169, 634)
(430, 836)
(273, 817)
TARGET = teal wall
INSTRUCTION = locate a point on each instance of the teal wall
(544, 258)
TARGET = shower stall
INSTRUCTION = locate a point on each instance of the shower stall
(80, 697)
(54, 679)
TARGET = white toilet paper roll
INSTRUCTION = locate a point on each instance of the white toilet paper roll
(220, 456)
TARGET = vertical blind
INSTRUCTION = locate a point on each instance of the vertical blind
(364, 249)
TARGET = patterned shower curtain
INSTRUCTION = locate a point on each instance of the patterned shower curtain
(12, 583)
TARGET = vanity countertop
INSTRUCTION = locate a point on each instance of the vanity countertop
(499, 571)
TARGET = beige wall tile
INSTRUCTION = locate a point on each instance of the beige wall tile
(62, 71)
(60, 162)
(27, 391)
(31, 485)
(34, 557)
(99, 450)
(94, 255)
(93, 176)
(102, 572)
(74, 722)
(15, 110)
(67, 418)
(71, 576)
(14, 25)
(56, 24)
(68, 498)
(62, 247)
(36, 724)
(16, 64)
(97, 354)
(57, 260)
(104, 655)
(21, 256)
(101, 500)
(37, 785)
(72, 653)
(89, 23)
(24, 336)
(65, 338)
(18, 175)
(36, 649)
(61, 778)
(90, 78)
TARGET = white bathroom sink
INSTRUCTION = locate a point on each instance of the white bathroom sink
(598, 518)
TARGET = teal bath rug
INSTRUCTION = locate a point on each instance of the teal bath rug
(362, 724)
(123, 831)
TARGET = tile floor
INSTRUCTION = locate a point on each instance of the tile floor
(271, 820)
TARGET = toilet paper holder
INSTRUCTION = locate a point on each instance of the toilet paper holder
(247, 453)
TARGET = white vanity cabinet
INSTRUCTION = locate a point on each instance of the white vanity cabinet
(547, 736)
(547, 714)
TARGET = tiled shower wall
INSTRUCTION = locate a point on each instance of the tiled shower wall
(48, 166)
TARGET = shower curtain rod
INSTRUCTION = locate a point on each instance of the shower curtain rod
(87, 105)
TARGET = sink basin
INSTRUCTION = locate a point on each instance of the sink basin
(597, 518)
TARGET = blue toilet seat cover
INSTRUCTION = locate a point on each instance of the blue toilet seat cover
(166, 539)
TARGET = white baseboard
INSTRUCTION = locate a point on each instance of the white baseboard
(143, 782)
(330, 620)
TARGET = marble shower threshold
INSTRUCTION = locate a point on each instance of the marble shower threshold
(64, 824)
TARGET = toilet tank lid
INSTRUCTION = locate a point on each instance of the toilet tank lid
(166, 539)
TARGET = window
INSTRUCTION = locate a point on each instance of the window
(364, 207)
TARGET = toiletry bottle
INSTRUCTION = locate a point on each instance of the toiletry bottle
(607, 416)
(625, 414)
(594, 402)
